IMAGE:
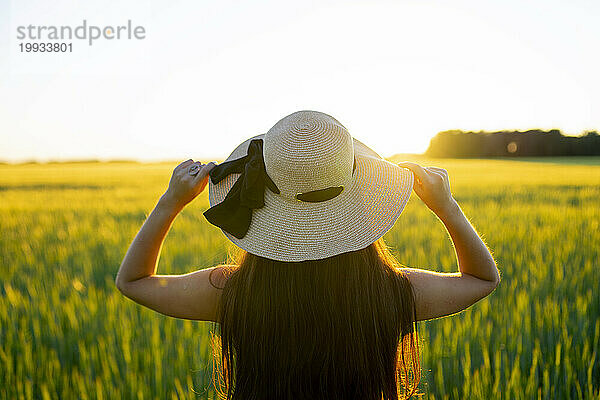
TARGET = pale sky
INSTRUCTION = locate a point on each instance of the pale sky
(210, 74)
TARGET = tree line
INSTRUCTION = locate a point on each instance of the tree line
(531, 143)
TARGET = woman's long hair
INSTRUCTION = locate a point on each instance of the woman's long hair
(343, 327)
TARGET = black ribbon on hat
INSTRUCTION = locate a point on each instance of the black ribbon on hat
(234, 213)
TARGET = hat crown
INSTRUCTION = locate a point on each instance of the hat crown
(306, 151)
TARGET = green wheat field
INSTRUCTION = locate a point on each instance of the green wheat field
(67, 333)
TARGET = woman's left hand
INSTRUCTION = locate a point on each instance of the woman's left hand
(183, 186)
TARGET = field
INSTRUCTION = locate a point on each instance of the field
(66, 332)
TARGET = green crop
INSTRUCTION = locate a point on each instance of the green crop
(67, 333)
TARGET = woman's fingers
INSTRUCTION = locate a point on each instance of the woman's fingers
(419, 172)
(204, 170)
(423, 172)
(436, 172)
(440, 170)
(185, 163)
(432, 186)
(428, 176)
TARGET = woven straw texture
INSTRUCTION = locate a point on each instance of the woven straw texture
(308, 151)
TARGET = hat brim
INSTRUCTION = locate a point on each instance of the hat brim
(292, 230)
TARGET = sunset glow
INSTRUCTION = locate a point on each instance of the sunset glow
(207, 76)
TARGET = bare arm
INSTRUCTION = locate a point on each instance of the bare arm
(474, 258)
(189, 296)
(439, 294)
(141, 258)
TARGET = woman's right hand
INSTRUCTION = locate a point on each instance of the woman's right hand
(433, 187)
(438, 294)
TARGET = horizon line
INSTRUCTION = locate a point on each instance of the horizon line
(128, 160)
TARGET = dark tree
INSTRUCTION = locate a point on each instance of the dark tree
(531, 143)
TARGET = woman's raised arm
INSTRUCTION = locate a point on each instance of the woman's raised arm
(189, 296)
(439, 294)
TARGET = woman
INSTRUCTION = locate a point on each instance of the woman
(316, 307)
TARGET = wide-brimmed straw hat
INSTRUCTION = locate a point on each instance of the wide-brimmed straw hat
(306, 190)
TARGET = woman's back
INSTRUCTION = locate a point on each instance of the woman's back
(327, 328)
(326, 318)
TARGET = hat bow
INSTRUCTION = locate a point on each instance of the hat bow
(234, 213)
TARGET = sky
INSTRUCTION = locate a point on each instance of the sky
(208, 75)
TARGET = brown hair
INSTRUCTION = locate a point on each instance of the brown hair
(343, 327)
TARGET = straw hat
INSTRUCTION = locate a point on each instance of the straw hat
(307, 190)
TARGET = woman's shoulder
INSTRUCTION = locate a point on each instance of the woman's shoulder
(220, 274)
